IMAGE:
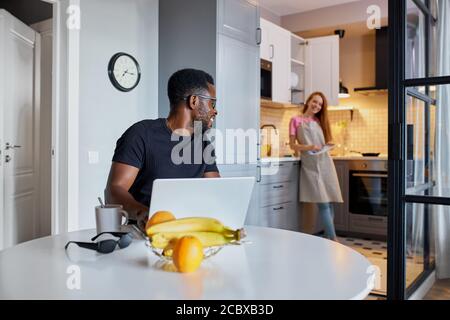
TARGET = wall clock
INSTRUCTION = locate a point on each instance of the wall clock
(124, 72)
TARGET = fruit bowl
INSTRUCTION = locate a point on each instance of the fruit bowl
(207, 252)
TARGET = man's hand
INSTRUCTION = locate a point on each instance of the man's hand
(142, 218)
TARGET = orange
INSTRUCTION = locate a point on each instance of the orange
(188, 254)
(159, 217)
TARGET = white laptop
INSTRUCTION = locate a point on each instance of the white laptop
(226, 199)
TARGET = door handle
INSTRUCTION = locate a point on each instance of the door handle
(258, 178)
(278, 187)
(258, 36)
(9, 146)
(272, 54)
(278, 209)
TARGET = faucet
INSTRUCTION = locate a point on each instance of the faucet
(267, 148)
(270, 126)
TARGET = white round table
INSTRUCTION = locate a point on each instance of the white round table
(277, 264)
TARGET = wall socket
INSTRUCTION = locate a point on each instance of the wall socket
(93, 157)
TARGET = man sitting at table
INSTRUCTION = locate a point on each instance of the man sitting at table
(145, 152)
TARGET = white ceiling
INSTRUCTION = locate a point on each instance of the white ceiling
(285, 7)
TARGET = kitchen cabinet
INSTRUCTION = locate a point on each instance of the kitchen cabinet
(238, 97)
(221, 38)
(276, 47)
(245, 170)
(297, 69)
(322, 67)
(341, 209)
(239, 19)
(278, 195)
(370, 225)
(300, 66)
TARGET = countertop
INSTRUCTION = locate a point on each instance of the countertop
(347, 157)
(276, 264)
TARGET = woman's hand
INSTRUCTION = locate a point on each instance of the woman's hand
(314, 148)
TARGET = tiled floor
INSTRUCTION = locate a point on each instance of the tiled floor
(376, 252)
(439, 291)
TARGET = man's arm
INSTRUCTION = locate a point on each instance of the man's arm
(121, 178)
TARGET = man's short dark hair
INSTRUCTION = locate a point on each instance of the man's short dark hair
(187, 82)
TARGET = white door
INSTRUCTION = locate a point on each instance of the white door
(281, 64)
(19, 124)
(322, 67)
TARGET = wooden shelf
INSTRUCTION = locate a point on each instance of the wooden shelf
(371, 92)
(343, 108)
(277, 105)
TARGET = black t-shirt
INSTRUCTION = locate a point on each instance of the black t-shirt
(147, 145)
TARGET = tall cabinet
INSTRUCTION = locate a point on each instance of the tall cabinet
(222, 38)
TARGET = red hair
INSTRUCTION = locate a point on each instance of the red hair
(322, 115)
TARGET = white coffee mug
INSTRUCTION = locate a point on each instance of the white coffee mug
(109, 218)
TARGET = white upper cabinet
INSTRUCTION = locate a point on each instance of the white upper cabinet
(266, 47)
(322, 67)
(239, 19)
(276, 47)
(281, 65)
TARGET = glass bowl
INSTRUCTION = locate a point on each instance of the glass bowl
(207, 252)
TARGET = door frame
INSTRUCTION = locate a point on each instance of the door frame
(398, 91)
(2, 103)
(65, 120)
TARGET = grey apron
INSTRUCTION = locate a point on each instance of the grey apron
(318, 179)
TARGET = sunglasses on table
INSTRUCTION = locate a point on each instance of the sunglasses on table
(105, 246)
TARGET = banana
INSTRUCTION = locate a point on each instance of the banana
(164, 240)
(190, 225)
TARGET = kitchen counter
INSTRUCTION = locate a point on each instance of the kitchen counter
(360, 157)
(347, 157)
(279, 159)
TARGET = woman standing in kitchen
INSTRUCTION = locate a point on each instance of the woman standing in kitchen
(309, 133)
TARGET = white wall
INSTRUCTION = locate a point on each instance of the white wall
(347, 13)
(108, 27)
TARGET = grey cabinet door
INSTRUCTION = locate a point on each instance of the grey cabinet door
(245, 170)
(239, 19)
(274, 216)
(371, 225)
(237, 122)
(341, 209)
(292, 217)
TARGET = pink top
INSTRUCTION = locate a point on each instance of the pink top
(296, 122)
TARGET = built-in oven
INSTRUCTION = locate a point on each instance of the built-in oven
(266, 79)
(368, 187)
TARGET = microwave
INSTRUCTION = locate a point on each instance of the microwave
(266, 79)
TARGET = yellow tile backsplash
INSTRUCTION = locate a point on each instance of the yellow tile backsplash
(367, 132)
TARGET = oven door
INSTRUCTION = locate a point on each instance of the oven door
(266, 79)
(368, 193)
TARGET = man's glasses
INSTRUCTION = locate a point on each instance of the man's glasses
(213, 100)
(105, 246)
